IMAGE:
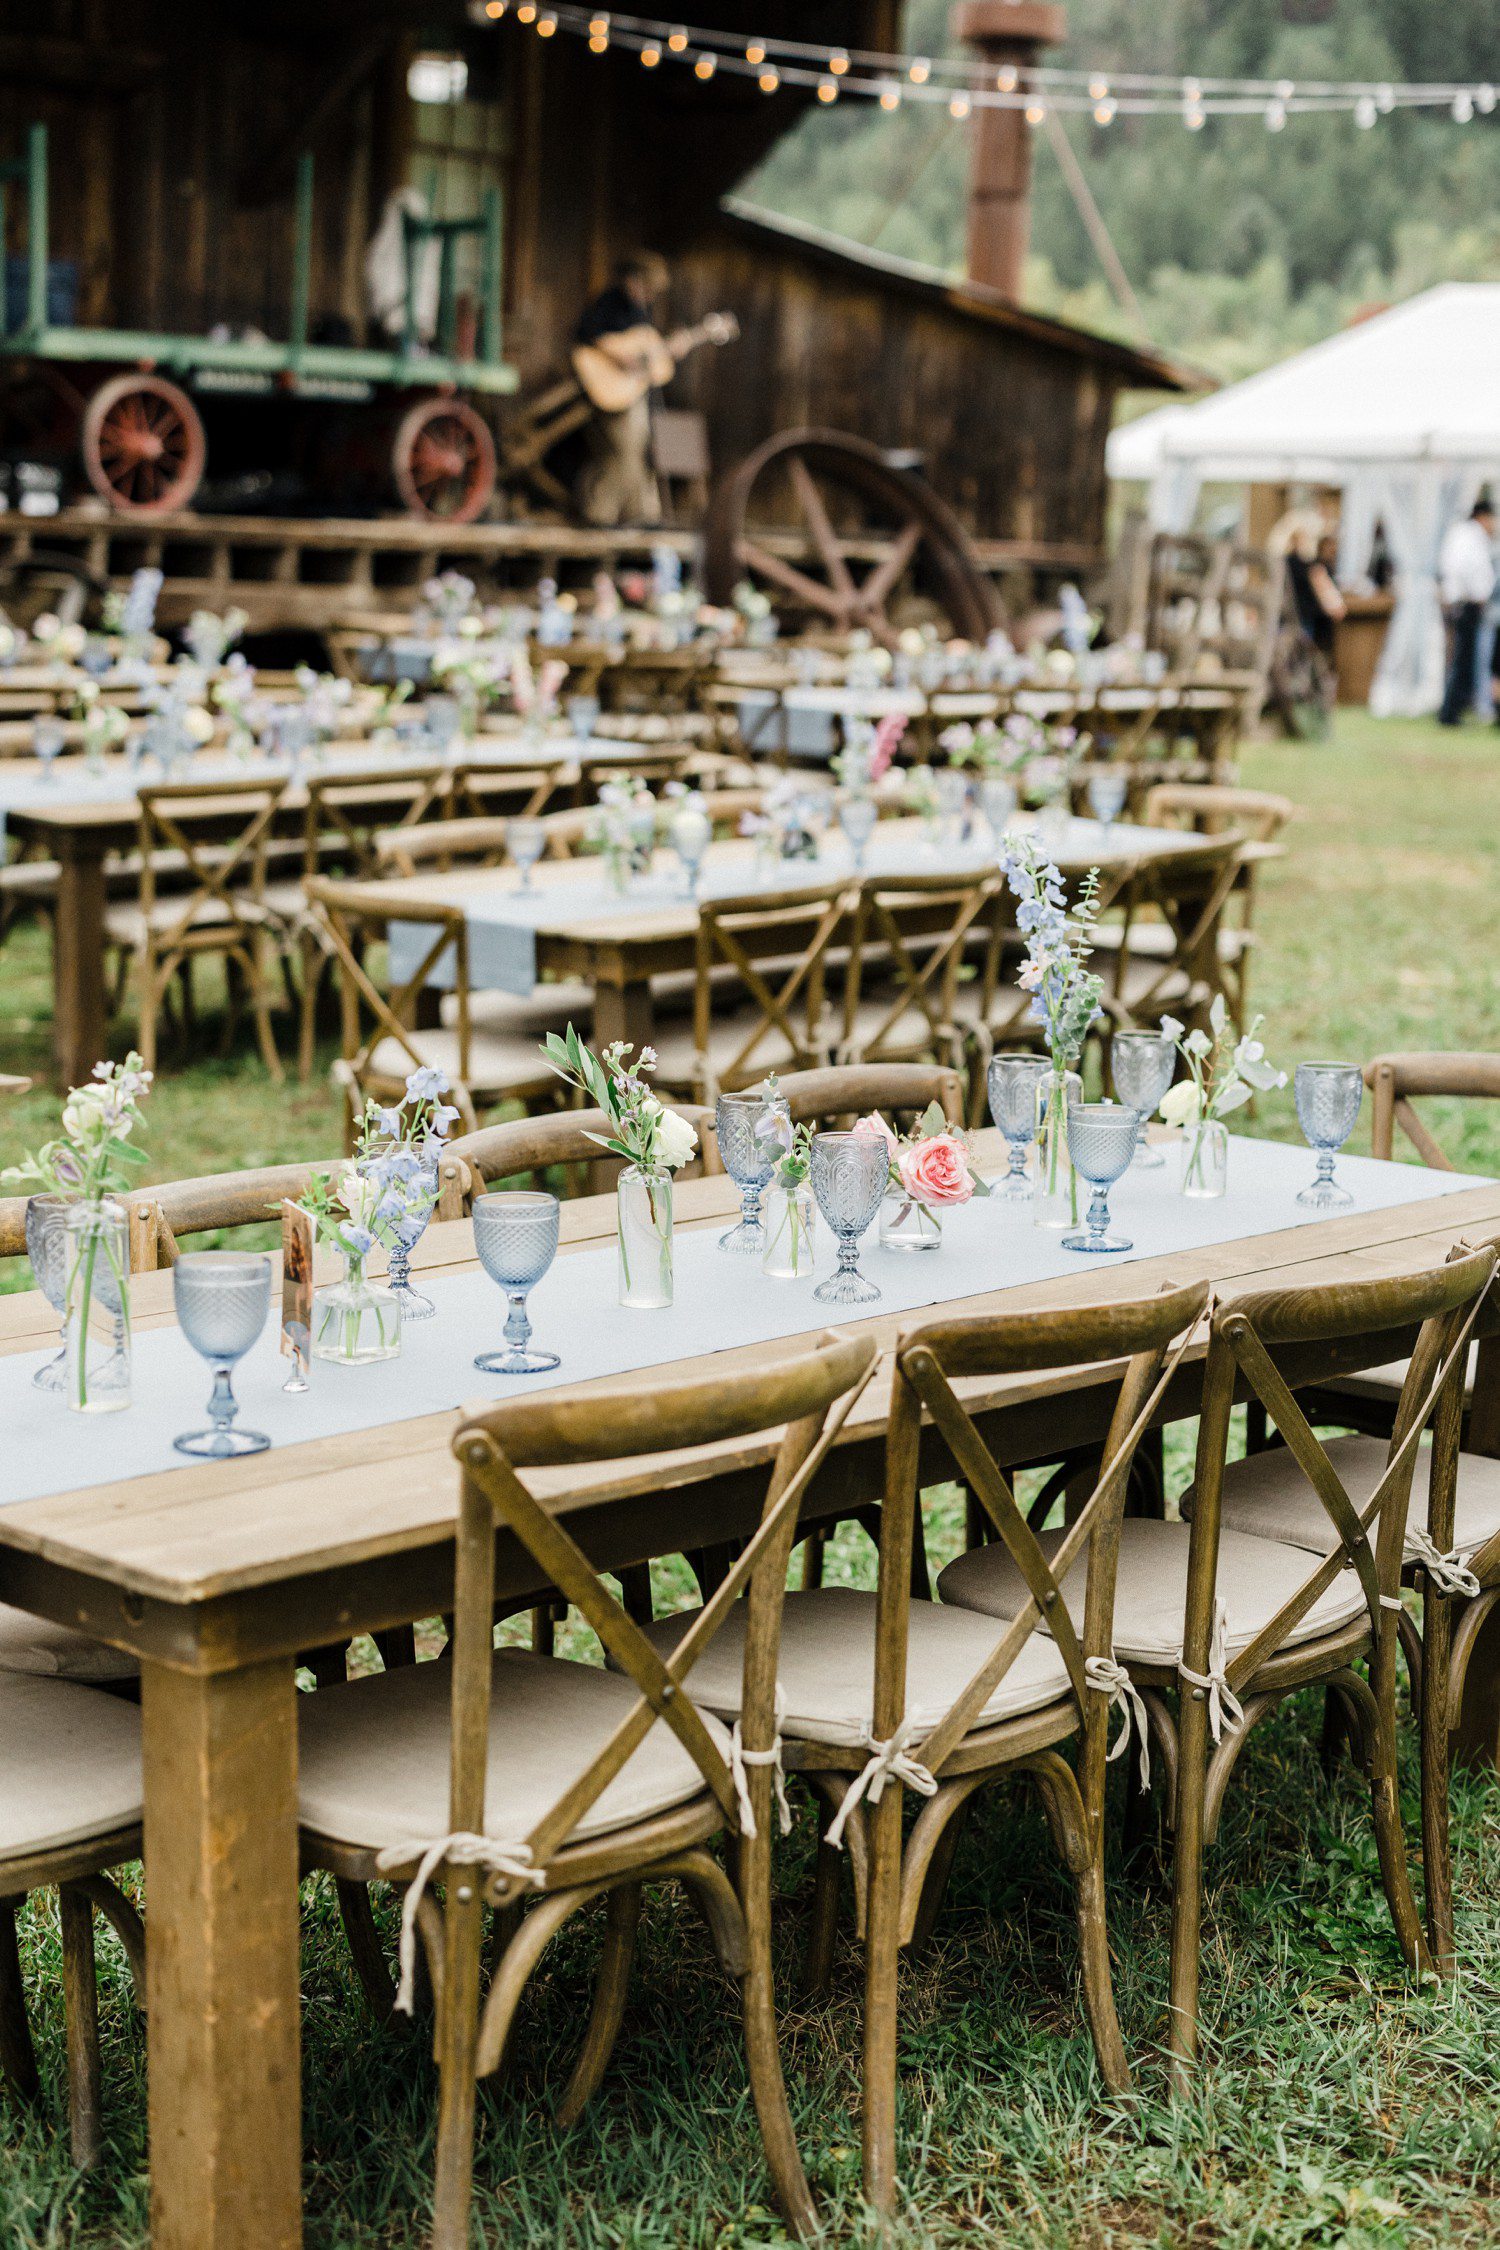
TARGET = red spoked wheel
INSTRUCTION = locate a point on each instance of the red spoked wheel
(443, 459)
(143, 445)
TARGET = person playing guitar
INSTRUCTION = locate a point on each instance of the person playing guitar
(619, 358)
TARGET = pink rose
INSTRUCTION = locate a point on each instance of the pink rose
(936, 1171)
(875, 1124)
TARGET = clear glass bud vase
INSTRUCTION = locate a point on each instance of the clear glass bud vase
(906, 1224)
(643, 1230)
(356, 1320)
(1203, 1158)
(96, 1309)
(1054, 1194)
(788, 1221)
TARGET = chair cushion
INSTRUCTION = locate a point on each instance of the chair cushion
(72, 1765)
(1383, 1384)
(549, 1008)
(827, 1665)
(1255, 1577)
(130, 926)
(1268, 1497)
(374, 1752)
(500, 1064)
(46, 1651)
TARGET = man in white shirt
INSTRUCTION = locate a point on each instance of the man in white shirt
(1466, 577)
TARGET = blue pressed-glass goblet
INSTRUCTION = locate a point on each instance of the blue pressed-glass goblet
(748, 1159)
(47, 1248)
(222, 1298)
(515, 1236)
(858, 818)
(849, 1172)
(1328, 1098)
(1141, 1064)
(404, 1239)
(1101, 1142)
(1012, 1083)
(525, 840)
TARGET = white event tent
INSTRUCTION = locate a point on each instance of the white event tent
(1401, 412)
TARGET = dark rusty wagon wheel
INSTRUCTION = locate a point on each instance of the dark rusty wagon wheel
(872, 535)
(143, 445)
(443, 460)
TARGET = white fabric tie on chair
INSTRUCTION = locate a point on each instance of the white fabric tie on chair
(1222, 1701)
(1449, 1573)
(886, 1759)
(459, 1850)
(740, 1758)
(1112, 1679)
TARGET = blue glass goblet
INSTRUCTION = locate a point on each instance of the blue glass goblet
(222, 1298)
(849, 1173)
(858, 817)
(1101, 1142)
(47, 1248)
(515, 1236)
(1013, 1084)
(1141, 1064)
(1328, 1098)
(748, 1159)
(413, 1305)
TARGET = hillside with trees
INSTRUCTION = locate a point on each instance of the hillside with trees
(1242, 244)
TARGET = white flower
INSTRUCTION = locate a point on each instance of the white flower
(1232, 1096)
(1196, 1043)
(1179, 1104)
(1218, 1015)
(676, 1139)
(1171, 1028)
(197, 724)
(359, 1195)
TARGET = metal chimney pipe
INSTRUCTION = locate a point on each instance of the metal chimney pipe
(1007, 35)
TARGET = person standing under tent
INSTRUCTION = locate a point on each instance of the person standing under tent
(1466, 579)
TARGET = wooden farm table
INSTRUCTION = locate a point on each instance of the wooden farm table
(217, 1575)
(80, 833)
(655, 936)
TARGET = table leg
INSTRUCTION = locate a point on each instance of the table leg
(624, 1011)
(80, 1013)
(224, 2003)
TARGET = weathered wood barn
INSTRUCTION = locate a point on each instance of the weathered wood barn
(179, 139)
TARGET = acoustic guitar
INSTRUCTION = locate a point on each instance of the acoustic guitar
(641, 359)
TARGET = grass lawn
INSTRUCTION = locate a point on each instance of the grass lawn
(1342, 2105)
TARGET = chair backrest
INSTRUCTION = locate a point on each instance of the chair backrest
(850, 1090)
(776, 947)
(804, 1394)
(347, 812)
(473, 841)
(160, 1216)
(1187, 892)
(930, 1359)
(1394, 1079)
(479, 790)
(220, 831)
(1212, 808)
(349, 916)
(1262, 1343)
(910, 937)
(525, 1145)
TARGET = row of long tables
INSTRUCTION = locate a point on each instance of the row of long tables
(216, 1576)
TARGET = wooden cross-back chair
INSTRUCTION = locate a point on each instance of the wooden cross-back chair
(1257, 816)
(882, 1693)
(1229, 1625)
(845, 1091)
(216, 835)
(525, 1146)
(760, 988)
(160, 1216)
(512, 1777)
(908, 950)
(473, 840)
(1367, 1401)
(1159, 951)
(381, 1039)
(480, 790)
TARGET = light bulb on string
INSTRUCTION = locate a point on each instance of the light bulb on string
(959, 106)
(1104, 112)
(838, 63)
(1098, 89)
(526, 13)
(1365, 112)
(1193, 119)
(1007, 78)
(1036, 113)
(755, 54)
(598, 27)
(890, 96)
(1463, 106)
(919, 70)
(769, 80)
(546, 25)
(1484, 99)
(828, 89)
(650, 57)
(1285, 88)
(495, 9)
(1275, 116)
(705, 66)
(1385, 99)
(677, 40)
